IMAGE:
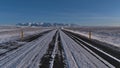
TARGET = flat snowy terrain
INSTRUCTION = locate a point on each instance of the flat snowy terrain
(59, 33)
(109, 35)
(51, 48)
(13, 33)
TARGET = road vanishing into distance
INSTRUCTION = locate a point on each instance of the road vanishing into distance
(59, 48)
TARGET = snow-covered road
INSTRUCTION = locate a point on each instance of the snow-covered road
(78, 57)
(23, 57)
(55, 47)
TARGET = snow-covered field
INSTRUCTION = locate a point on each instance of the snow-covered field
(13, 33)
(47, 49)
(9, 36)
(109, 35)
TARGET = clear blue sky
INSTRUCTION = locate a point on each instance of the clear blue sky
(83, 12)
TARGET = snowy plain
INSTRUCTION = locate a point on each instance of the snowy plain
(10, 35)
(110, 35)
(31, 53)
(13, 33)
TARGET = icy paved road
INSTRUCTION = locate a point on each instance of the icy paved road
(77, 56)
(27, 54)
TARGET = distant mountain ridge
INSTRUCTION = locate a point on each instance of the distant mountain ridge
(45, 24)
